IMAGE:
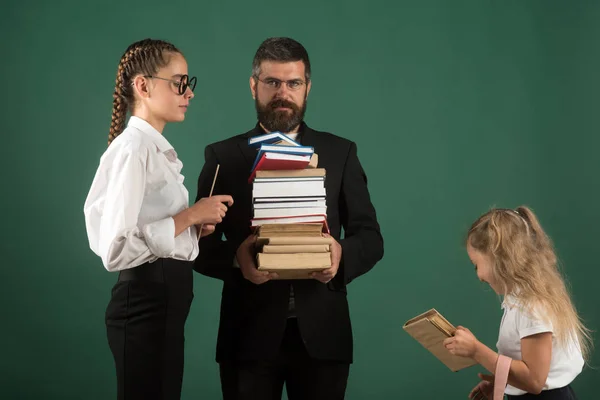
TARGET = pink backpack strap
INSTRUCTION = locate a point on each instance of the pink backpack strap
(501, 376)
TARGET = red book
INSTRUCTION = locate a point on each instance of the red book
(279, 161)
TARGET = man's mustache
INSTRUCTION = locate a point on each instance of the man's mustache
(282, 103)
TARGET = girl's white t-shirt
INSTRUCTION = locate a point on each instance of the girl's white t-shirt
(517, 323)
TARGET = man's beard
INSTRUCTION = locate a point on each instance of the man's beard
(280, 120)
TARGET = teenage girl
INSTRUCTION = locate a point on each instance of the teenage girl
(139, 223)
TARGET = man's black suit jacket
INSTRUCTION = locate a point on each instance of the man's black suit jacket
(253, 317)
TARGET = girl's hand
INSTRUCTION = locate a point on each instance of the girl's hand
(463, 343)
(484, 389)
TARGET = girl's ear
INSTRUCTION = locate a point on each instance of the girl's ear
(141, 86)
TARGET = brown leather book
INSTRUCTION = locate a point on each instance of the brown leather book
(293, 266)
(293, 240)
(303, 229)
(294, 249)
(430, 329)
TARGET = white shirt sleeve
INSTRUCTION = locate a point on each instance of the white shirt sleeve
(112, 210)
(530, 324)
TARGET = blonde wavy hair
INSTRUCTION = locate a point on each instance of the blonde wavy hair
(524, 265)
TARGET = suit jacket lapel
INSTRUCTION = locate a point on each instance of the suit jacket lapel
(307, 136)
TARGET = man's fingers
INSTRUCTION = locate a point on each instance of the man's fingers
(328, 271)
(259, 277)
(321, 277)
(257, 273)
(259, 280)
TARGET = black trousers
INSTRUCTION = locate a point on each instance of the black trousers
(145, 321)
(305, 378)
(564, 393)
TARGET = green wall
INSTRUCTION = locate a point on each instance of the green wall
(456, 106)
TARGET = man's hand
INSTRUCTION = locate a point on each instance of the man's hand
(336, 256)
(245, 258)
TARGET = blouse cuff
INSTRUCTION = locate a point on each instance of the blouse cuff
(160, 237)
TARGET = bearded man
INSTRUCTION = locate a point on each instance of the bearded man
(274, 331)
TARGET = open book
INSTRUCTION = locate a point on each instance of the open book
(431, 329)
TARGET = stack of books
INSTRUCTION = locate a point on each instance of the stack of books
(293, 251)
(289, 201)
(287, 185)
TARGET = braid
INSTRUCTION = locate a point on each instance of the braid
(143, 57)
(119, 110)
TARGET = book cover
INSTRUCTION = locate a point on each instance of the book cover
(430, 329)
(307, 151)
(293, 266)
(320, 219)
(279, 161)
(272, 138)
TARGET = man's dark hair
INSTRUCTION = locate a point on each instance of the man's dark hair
(281, 49)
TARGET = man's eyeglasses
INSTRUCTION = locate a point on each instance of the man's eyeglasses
(275, 84)
(182, 84)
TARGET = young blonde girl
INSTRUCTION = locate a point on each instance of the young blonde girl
(540, 329)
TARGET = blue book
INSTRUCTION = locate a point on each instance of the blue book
(271, 138)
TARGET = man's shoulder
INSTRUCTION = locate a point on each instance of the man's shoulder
(330, 145)
(228, 142)
(331, 137)
(325, 136)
